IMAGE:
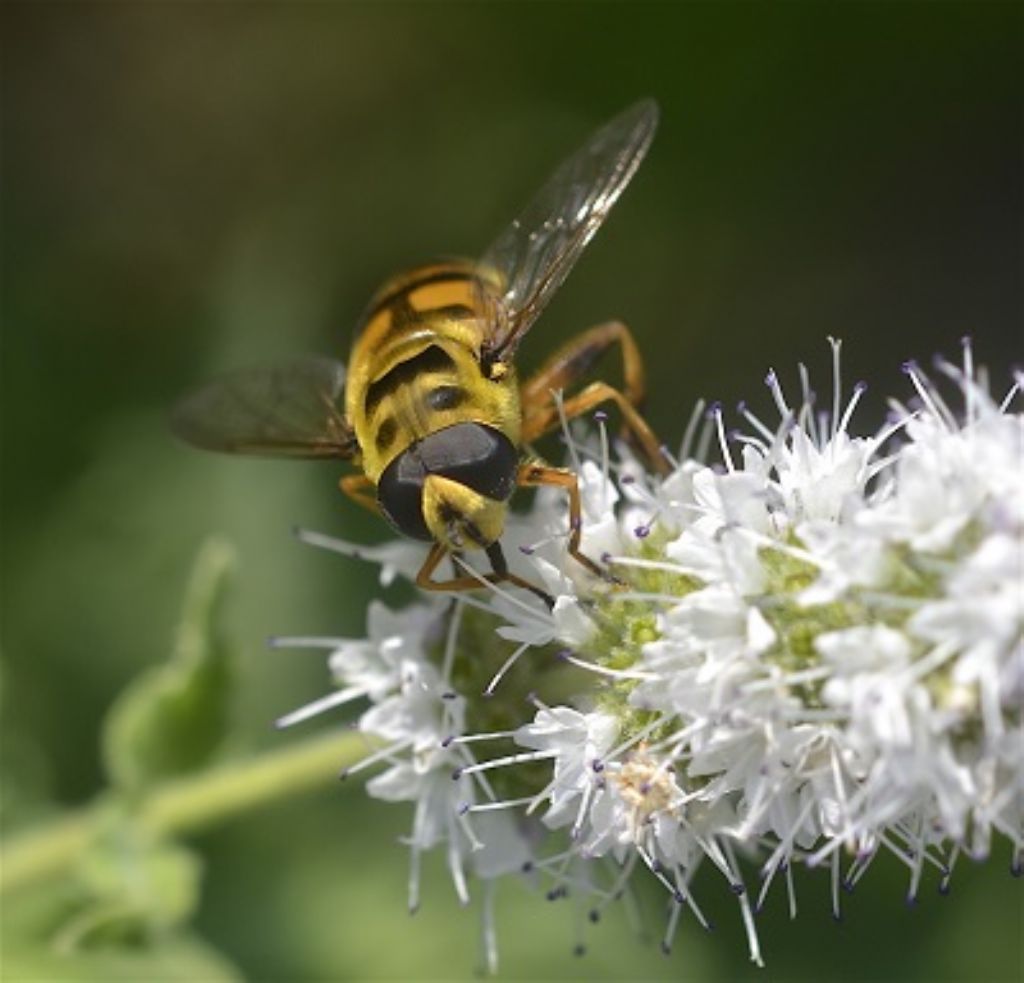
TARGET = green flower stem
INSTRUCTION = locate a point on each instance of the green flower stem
(184, 806)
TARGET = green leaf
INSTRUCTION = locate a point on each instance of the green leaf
(176, 956)
(120, 917)
(171, 719)
(131, 885)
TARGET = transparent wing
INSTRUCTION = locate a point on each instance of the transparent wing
(289, 410)
(532, 257)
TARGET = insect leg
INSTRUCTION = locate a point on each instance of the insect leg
(355, 485)
(567, 365)
(600, 392)
(501, 574)
(533, 474)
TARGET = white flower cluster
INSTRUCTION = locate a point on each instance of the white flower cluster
(812, 653)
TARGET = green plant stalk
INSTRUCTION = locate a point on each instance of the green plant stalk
(185, 805)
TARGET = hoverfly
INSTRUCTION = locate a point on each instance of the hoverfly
(431, 410)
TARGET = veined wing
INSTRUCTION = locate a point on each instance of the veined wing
(532, 257)
(288, 410)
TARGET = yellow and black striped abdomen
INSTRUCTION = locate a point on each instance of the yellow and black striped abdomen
(415, 366)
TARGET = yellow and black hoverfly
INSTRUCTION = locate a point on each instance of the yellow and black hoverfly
(431, 410)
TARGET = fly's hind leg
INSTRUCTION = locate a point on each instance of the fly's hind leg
(571, 362)
(568, 363)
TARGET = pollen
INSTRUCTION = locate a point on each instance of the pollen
(646, 785)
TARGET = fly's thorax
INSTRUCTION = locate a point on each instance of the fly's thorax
(435, 383)
(416, 365)
(451, 486)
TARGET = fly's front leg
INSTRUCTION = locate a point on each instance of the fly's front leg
(425, 578)
(534, 475)
(355, 486)
(571, 362)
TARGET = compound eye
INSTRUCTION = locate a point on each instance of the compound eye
(400, 496)
(475, 455)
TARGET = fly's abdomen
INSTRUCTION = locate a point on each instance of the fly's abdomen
(447, 291)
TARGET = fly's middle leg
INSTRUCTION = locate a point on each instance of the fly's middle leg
(534, 474)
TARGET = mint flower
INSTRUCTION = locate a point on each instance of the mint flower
(813, 654)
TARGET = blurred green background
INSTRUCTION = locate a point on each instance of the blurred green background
(192, 187)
